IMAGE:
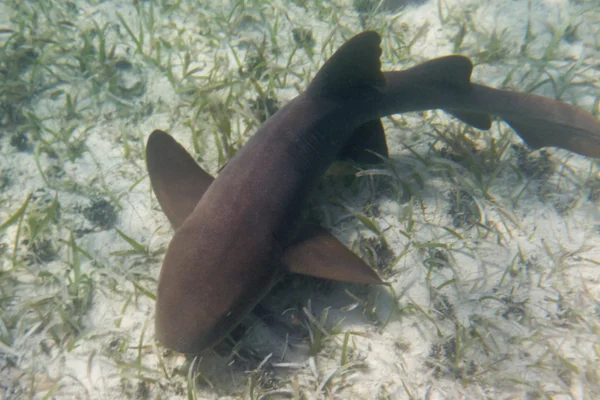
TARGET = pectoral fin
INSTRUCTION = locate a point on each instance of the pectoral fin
(316, 252)
(366, 140)
(177, 180)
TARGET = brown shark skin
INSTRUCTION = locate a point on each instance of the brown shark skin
(444, 83)
(229, 251)
(223, 258)
(227, 254)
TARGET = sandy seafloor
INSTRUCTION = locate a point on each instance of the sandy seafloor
(492, 251)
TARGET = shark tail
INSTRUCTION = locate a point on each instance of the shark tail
(540, 121)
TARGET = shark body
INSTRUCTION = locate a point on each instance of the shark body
(238, 234)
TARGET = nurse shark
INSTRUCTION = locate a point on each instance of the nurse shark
(237, 235)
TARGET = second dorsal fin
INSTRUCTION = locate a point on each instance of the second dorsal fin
(454, 71)
(356, 64)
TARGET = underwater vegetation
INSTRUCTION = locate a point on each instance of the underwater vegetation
(221, 260)
(487, 245)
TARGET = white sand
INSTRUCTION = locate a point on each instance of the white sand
(513, 313)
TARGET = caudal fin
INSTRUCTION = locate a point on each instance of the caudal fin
(540, 121)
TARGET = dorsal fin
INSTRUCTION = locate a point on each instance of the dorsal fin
(355, 64)
(454, 71)
(177, 180)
